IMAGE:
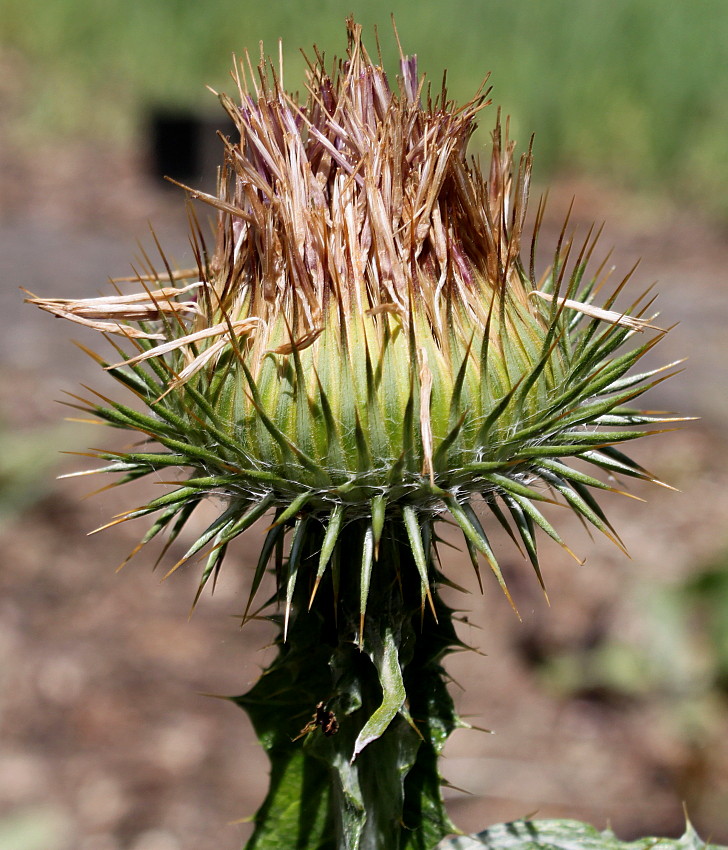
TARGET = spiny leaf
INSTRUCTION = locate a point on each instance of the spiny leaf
(334, 449)
(550, 450)
(592, 438)
(294, 508)
(211, 483)
(615, 461)
(333, 527)
(212, 567)
(457, 389)
(586, 413)
(483, 466)
(530, 510)
(219, 523)
(385, 656)
(564, 471)
(409, 439)
(473, 553)
(302, 402)
(495, 414)
(524, 525)
(537, 370)
(251, 515)
(412, 525)
(376, 427)
(439, 460)
(634, 380)
(626, 416)
(183, 515)
(584, 507)
(465, 517)
(378, 511)
(137, 380)
(275, 534)
(492, 503)
(192, 451)
(566, 835)
(160, 523)
(364, 459)
(214, 424)
(125, 417)
(176, 497)
(294, 559)
(365, 575)
(154, 460)
(512, 485)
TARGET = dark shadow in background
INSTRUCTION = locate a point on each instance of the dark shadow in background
(185, 146)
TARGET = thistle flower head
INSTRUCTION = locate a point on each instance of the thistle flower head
(365, 342)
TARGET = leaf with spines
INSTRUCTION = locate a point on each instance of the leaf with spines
(566, 835)
(365, 577)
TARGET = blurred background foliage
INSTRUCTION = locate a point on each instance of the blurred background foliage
(27, 463)
(631, 90)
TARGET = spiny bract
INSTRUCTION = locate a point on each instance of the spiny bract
(365, 341)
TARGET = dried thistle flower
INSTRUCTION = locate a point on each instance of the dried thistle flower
(363, 351)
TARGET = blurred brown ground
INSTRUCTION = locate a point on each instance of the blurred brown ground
(106, 741)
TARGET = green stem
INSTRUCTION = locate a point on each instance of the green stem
(354, 724)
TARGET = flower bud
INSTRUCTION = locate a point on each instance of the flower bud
(365, 340)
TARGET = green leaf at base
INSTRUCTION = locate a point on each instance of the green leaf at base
(566, 835)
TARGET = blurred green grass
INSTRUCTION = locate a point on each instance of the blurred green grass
(33, 828)
(631, 90)
(28, 461)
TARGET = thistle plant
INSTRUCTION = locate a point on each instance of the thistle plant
(363, 354)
